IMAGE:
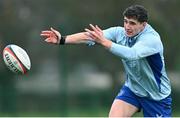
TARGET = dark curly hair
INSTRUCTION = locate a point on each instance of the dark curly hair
(137, 12)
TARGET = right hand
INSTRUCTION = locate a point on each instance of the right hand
(51, 36)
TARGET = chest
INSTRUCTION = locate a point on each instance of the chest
(126, 41)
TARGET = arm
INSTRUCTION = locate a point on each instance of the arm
(138, 51)
(149, 46)
(54, 37)
(77, 38)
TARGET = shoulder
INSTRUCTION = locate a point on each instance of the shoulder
(150, 31)
(150, 34)
(151, 38)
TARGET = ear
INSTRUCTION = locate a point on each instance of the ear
(144, 24)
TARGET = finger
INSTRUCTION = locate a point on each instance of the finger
(45, 35)
(48, 40)
(56, 33)
(90, 33)
(46, 32)
(95, 29)
(99, 29)
(52, 29)
(92, 26)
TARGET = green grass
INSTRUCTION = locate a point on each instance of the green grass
(73, 112)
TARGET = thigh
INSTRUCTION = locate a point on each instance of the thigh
(125, 104)
(121, 108)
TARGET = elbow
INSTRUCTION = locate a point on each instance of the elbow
(129, 56)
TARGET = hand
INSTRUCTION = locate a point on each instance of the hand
(51, 36)
(96, 34)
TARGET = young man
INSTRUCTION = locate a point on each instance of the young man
(147, 86)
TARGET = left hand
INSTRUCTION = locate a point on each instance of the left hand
(96, 34)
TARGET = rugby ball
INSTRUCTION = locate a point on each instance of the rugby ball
(16, 59)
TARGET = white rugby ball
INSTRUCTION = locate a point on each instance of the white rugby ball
(16, 59)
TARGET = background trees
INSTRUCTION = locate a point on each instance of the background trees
(65, 78)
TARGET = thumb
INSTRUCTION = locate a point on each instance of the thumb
(56, 32)
(52, 29)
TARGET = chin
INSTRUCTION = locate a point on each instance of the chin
(129, 35)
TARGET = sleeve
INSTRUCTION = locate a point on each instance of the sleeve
(148, 45)
(112, 33)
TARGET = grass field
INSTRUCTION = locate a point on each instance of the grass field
(71, 113)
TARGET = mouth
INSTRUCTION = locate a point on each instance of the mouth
(129, 33)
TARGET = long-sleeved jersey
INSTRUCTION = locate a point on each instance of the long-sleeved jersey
(143, 60)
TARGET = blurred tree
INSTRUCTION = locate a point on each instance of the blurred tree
(22, 21)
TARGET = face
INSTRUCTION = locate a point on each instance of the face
(132, 26)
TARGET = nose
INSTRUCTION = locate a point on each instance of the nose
(127, 26)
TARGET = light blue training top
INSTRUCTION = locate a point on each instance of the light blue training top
(142, 57)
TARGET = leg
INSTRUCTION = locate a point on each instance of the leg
(121, 108)
(125, 104)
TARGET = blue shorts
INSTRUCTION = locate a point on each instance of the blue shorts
(151, 108)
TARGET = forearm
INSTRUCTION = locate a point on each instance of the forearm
(136, 52)
(123, 51)
(76, 38)
(106, 43)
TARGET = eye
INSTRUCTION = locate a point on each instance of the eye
(132, 23)
(125, 21)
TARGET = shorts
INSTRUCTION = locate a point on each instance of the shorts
(151, 108)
